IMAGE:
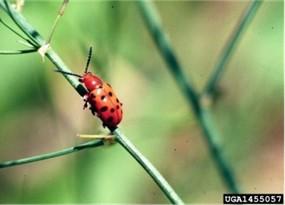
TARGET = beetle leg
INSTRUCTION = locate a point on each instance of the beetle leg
(85, 105)
(85, 98)
(93, 110)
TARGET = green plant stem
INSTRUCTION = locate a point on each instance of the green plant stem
(230, 46)
(18, 52)
(39, 41)
(55, 59)
(148, 167)
(15, 32)
(160, 38)
(83, 146)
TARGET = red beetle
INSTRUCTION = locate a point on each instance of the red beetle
(101, 97)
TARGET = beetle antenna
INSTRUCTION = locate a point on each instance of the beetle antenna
(67, 73)
(88, 59)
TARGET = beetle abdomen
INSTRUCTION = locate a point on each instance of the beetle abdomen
(106, 104)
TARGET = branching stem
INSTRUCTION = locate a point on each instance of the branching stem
(230, 46)
(152, 21)
(15, 32)
(83, 146)
(126, 144)
(148, 167)
(32, 50)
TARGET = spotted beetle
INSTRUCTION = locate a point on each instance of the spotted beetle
(100, 96)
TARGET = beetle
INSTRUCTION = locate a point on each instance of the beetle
(100, 96)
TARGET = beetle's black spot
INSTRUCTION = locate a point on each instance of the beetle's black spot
(100, 87)
(103, 109)
(110, 119)
(103, 97)
(121, 104)
(118, 106)
(112, 110)
(110, 94)
(117, 100)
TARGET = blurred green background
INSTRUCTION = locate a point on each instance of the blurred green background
(40, 112)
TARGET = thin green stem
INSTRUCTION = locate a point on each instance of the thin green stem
(148, 167)
(162, 42)
(83, 146)
(14, 16)
(39, 41)
(60, 14)
(55, 59)
(15, 32)
(18, 52)
(230, 46)
(160, 38)
(212, 137)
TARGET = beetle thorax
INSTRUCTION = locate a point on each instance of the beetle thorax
(91, 81)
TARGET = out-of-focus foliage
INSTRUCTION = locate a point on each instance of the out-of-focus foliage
(40, 112)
